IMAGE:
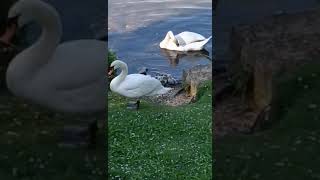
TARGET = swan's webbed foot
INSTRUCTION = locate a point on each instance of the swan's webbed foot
(134, 105)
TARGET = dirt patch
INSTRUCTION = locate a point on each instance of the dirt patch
(180, 99)
(232, 116)
(176, 97)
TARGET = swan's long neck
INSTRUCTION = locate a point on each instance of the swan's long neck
(43, 49)
(48, 41)
(24, 66)
(171, 35)
(117, 80)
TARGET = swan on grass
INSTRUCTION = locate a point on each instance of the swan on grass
(135, 85)
(68, 77)
(185, 41)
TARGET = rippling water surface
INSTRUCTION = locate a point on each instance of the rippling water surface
(136, 27)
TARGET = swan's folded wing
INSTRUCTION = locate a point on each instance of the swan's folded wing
(187, 37)
(140, 84)
(77, 64)
(181, 41)
(196, 46)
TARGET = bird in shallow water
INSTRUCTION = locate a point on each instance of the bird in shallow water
(185, 41)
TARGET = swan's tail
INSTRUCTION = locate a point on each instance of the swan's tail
(206, 40)
(197, 46)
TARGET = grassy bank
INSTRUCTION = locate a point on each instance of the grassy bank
(159, 142)
(111, 57)
(29, 145)
(287, 151)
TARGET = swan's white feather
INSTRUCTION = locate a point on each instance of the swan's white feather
(190, 37)
(80, 61)
(187, 41)
(135, 85)
(196, 46)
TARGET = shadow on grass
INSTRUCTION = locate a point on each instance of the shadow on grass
(290, 148)
(29, 144)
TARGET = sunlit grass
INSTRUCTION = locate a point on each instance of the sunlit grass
(159, 142)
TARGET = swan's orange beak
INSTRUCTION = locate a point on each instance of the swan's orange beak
(110, 71)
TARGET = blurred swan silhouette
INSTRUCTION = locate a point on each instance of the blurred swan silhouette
(175, 56)
(68, 77)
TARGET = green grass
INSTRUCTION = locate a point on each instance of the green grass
(290, 149)
(29, 146)
(159, 142)
(111, 57)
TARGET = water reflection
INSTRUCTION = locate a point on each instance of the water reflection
(137, 27)
(192, 56)
(129, 15)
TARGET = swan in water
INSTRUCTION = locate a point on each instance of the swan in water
(67, 77)
(192, 56)
(135, 85)
(185, 41)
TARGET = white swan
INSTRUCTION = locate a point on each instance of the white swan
(185, 41)
(68, 77)
(135, 85)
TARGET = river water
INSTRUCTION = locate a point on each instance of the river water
(135, 28)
